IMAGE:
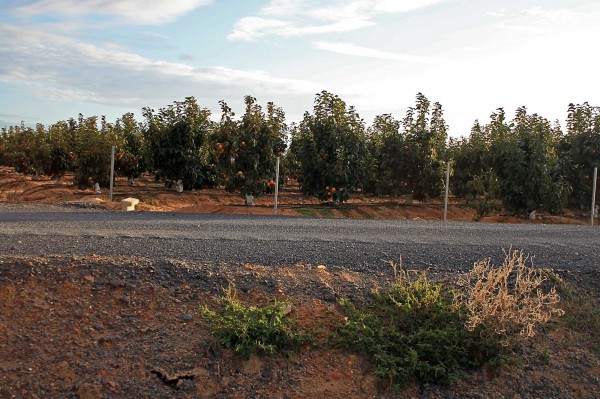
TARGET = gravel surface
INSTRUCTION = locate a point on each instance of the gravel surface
(359, 244)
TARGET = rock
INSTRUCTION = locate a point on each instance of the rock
(245, 288)
(187, 317)
(115, 282)
(89, 278)
(179, 186)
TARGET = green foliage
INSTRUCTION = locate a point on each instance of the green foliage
(526, 162)
(425, 149)
(386, 144)
(480, 195)
(178, 140)
(93, 148)
(409, 156)
(61, 151)
(134, 157)
(24, 148)
(580, 151)
(250, 329)
(246, 151)
(330, 146)
(415, 334)
(472, 164)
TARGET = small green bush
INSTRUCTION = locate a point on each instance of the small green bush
(251, 329)
(415, 334)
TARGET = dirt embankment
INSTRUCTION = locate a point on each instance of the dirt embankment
(155, 197)
(92, 328)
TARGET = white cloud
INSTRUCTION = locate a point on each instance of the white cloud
(402, 5)
(136, 11)
(301, 17)
(56, 66)
(359, 51)
(556, 15)
(500, 14)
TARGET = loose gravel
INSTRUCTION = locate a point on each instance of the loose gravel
(358, 244)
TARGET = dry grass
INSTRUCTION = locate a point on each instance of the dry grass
(509, 298)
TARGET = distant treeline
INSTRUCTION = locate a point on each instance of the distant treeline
(523, 164)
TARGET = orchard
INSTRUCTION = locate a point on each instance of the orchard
(522, 164)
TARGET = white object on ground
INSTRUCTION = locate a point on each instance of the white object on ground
(128, 204)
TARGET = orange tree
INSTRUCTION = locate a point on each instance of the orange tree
(424, 150)
(4, 146)
(178, 141)
(24, 148)
(408, 155)
(525, 160)
(60, 151)
(474, 177)
(133, 158)
(245, 150)
(385, 143)
(92, 150)
(579, 151)
(331, 149)
(471, 158)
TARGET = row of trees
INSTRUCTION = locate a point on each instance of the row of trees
(525, 164)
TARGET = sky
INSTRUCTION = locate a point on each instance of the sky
(59, 58)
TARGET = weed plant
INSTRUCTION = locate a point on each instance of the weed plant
(415, 333)
(253, 329)
(510, 298)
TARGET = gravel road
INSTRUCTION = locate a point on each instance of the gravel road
(359, 244)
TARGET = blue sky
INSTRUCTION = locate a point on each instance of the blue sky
(60, 58)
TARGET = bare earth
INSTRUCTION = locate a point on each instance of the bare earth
(91, 328)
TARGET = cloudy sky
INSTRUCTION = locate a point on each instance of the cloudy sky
(59, 58)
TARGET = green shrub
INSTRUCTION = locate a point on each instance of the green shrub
(415, 334)
(250, 329)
